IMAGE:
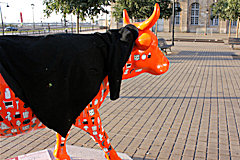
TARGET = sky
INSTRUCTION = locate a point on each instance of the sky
(11, 14)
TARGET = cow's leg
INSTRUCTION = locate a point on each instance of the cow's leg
(103, 141)
(60, 151)
(90, 122)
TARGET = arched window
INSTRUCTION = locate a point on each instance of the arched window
(214, 21)
(177, 14)
(194, 13)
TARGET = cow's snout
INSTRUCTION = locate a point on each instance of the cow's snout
(162, 67)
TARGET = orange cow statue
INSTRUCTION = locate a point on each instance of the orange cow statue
(146, 57)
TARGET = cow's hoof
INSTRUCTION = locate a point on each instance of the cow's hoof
(61, 156)
(64, 158)
(112, 157)
(107, 157)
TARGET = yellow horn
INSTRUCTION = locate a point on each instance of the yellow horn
(147, 24)
(126, 19)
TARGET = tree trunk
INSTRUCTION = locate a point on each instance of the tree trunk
(237, 27)
(77, 25)
(229, 28)
(64, 20)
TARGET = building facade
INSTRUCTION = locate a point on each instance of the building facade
(195, 17)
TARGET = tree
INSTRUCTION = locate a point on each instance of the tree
(141, 9)
(81, 8)
(227, 10)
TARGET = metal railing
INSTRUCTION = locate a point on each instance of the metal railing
(43, 30)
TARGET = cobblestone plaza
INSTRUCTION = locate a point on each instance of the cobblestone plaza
(191, 112)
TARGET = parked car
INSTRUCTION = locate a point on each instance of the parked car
(11, 29)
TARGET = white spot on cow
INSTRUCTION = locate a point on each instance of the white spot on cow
(144, 56)
(94, 128)
(85, 127)
(17, 102)
(18, 123)
(102, 129)
(138, 70)
(91, 112)
(14, 130)
(40, 124)
(3, 126)
(8, 117)
(25, 114)
(136, 57)
(105, 149)
(34, 119)
(7, 93)
(96, 102)
(98, 120)
(126, 71)
(100, 137)
(26, 127)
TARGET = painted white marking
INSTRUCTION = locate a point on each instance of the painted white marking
(4, 126)
(7, 93)
(144, 56)
(85, 127)
(96, 102)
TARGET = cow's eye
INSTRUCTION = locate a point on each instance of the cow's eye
(144, 41)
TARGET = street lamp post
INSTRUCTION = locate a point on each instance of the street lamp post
(33, 15)
(173, 21)
(2, 17)
(206, 24)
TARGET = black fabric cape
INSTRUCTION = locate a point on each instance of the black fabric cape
(58, 75)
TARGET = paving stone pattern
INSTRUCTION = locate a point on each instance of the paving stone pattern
(192, 112)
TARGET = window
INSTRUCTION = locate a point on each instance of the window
(194, 13)
(234, 23)
(177, 14)
(214, 21)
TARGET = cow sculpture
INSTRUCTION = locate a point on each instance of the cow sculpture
(146, 57)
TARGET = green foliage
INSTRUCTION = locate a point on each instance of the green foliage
(226, 9)
(83, 8)
(141, 9)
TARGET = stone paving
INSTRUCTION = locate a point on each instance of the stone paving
(192, 112)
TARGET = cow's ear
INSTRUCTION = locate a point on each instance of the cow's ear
(129, 33)
(118, 58)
